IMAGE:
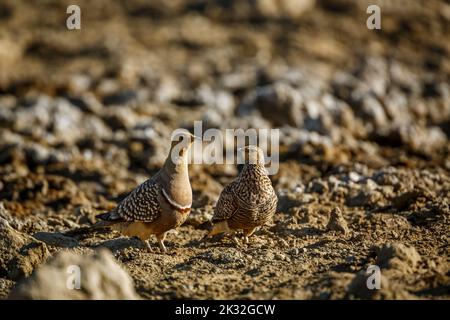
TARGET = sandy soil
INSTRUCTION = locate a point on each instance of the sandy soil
(364, 116)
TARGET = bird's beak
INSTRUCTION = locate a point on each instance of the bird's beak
(193, 138)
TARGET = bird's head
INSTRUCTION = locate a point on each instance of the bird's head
(253, 155)
(181, 141)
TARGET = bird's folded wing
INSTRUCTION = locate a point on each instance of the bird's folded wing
(269, 204)
(141, 204)
(226, 205)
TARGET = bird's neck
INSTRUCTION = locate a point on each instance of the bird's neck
(253, 173)
(252, 180)
(175, 181)
(178, 167)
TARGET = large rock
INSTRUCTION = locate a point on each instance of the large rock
(10, 243)
(398, 256)
(388, 290)
(100, 278)
(19, 253)
(28, 258)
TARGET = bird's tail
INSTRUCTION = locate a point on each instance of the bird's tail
(219, 227)
(107, 219)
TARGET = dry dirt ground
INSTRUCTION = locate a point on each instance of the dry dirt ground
(364, 117)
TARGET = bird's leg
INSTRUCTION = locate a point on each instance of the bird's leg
(235, 238)
(160, 237)
(247, 234)
(147, 244)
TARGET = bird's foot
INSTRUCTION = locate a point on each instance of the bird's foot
(148, 246)
(162, 247)
(247, 234)
(160, 238)
(236, 241)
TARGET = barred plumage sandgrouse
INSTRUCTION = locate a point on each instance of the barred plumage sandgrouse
(161, 203)
(249, 201)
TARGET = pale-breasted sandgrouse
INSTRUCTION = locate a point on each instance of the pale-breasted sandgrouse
(249, 201)
(161, 203)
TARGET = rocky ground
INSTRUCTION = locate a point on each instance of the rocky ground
(364, 117)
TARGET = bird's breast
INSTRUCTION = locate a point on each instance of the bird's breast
(181, 204)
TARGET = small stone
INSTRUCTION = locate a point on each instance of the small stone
(354, 176)
(280, 256)
(284, 8)
(223, 257)
(318, 187)
(198, 216)
(120, 98)
(280, 103)
(373, 111)
(70, 224)
(284, 243)
(363, 198)
(337, 222)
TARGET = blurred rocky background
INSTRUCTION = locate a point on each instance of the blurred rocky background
(364, 115)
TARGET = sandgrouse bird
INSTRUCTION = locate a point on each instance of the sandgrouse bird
(249, 201)
(158, 205)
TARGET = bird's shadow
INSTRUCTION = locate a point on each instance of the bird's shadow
(56, 239)
(299, 233)
(219, 240)
(120, 244)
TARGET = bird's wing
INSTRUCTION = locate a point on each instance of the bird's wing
(267, 207)
(141, 204)
(226, 205)
(266, 200)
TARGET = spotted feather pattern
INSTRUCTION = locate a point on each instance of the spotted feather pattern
(249, 201)
(142, 203)
(226, 205)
